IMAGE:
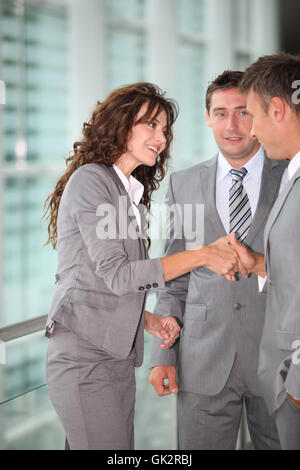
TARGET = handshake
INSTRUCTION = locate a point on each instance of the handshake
(227, 256)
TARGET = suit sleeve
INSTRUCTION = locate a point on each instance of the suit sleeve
(292, 320)
(87, 191)
(292, 381)
(171, 299)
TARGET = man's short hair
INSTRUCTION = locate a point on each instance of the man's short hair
(274, 75)
(228, 79)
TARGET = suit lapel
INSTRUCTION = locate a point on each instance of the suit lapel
(208, 194)
(130, 220)
(269, 188)
(277, 208)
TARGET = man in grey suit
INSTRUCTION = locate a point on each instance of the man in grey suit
(273, 85)
(222, 321)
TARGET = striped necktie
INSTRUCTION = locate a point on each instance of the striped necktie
(239, 205)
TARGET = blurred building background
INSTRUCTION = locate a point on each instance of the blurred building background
(57, 58)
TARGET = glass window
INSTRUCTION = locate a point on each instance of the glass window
(242, 24)
(242, 28)
(132, 9)
(125, 42)
(125, 52)
(191, 89)
(189, 130)
(34, 67)
(191, 16)
(35, 70)
(28, 267)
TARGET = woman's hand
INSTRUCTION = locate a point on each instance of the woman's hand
(222, 258)
(165, 328)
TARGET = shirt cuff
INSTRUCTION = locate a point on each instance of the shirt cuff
(261, 282)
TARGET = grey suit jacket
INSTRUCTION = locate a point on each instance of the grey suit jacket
(279, 368)
(220, 318)
(101, 284)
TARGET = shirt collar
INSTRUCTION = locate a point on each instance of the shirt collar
(254, 166)
(134, 188)
(294, 165)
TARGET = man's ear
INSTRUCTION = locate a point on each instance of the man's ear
(277, 109)
(208, 120)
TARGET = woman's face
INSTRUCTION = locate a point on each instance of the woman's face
(147, 140)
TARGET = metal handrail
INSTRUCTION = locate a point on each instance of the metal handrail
(30, 390)
(17, 330)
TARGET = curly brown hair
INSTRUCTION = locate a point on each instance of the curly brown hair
(105, 139)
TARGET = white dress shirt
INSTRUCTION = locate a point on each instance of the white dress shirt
(293, 166)
(135, 191)
(251, 183)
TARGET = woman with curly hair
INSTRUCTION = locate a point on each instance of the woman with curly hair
(96, 321)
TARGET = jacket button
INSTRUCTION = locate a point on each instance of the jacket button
(141, 288)
(155, 284)
(148, 286)
(237, 306)
(56, 278)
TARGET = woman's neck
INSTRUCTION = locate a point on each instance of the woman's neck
(125, 165)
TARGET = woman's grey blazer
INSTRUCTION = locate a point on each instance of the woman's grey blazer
(101, 284)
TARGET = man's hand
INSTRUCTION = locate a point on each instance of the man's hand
(157, 377)
(222, 258)
(165, 328)
(294, 401)
(249, 262)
